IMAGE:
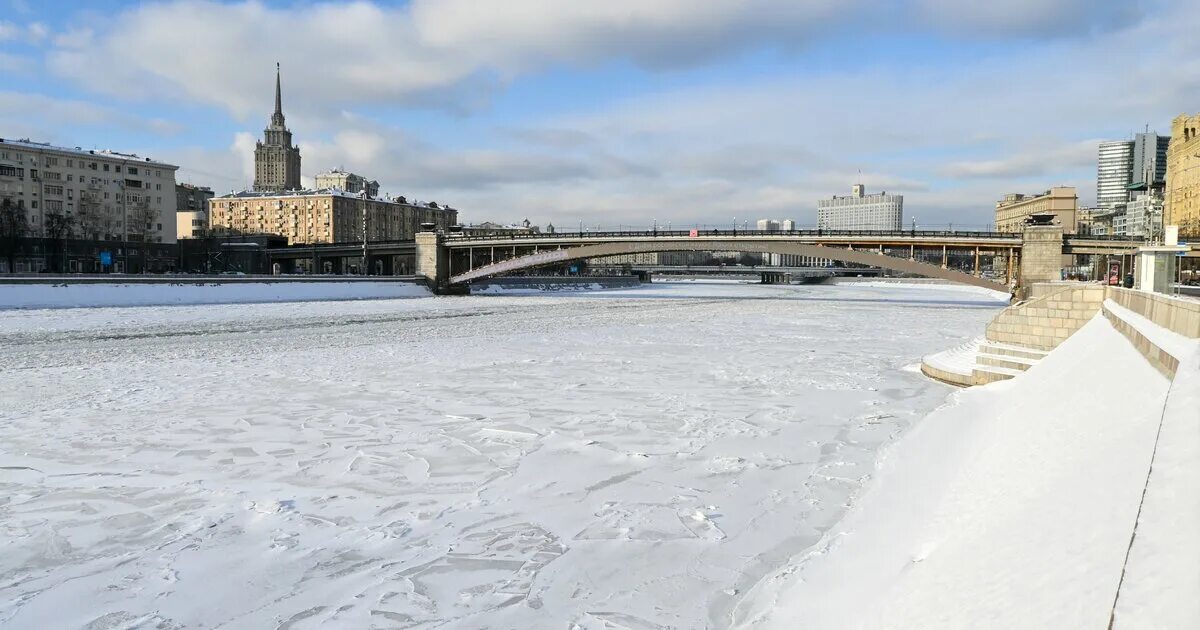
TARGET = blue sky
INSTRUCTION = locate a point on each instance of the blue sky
(616, 113)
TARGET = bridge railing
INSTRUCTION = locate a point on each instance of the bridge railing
(608, 234)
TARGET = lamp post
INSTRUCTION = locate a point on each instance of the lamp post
(363, 199)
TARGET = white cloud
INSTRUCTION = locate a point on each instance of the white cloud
(1055, 18)
(47, 118)
(37, 32)
(951, 136)
(1029, 162)
(451, 53)
(8, 31)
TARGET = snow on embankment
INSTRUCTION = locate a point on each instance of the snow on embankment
(160, 294)
(1010, 508)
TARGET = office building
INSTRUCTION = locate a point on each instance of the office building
(1143, 217)
(860, 211)
(1149, 167)
(1015, 208)
(1114, 173)
(276, 159)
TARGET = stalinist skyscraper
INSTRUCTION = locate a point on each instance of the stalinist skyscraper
(276, 160)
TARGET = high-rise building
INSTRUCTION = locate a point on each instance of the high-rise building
(1060, 201)
(1149, 159)
(1114, 173)
(1143, 217)
(102, 195)
(276, 159)
(349, 182)
(1182, 196)
(767, 225)
(860, 211)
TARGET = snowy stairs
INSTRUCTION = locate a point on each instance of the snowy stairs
(980, 361)
(1000, 361)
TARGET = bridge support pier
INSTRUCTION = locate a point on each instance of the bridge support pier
(1041, 256)
(433, 261)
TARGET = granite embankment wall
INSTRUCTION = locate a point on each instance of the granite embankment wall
(1047, 320)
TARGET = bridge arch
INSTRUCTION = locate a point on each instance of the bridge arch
(857, 256)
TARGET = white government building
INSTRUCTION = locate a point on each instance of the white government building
(860, 211)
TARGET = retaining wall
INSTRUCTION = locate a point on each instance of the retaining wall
(1046, 321)
(1175, 314)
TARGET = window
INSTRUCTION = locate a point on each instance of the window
(53, 190)
(106, 167)
(159, 227)
(51, 161)
(132, 170)
(70, 177)
(117, 168)
(70, 163)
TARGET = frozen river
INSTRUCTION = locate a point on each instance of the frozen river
(625, 459)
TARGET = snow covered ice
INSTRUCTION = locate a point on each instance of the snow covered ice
(619, 459)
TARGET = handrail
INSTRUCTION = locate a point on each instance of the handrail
(524, 236)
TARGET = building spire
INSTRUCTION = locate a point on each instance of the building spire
(277, 117)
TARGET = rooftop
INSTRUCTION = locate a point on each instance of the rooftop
(321, 192)
(26, 143)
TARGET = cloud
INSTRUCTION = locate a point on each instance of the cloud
(47, 118)
(1028, 18)
(8, 31)
(15, 64)
(37, 32)
(952, 133)
(1026, 163)
(442, 53)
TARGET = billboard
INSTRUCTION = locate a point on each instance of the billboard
(1114, 272)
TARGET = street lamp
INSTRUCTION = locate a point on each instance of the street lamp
(362, 195)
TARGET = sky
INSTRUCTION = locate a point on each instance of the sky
(616, 113)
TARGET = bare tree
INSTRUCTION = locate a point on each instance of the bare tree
(58, 228)
(142, 217)
(90, 218)
(13, 227)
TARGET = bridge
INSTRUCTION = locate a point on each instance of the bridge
(448, 260)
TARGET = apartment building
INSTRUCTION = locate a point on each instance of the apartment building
(106, 195)
(323, 216)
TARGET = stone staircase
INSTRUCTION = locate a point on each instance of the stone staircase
(979, 362)
(996, 361)
(1019, 337)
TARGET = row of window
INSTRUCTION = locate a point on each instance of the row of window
(70, 163)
